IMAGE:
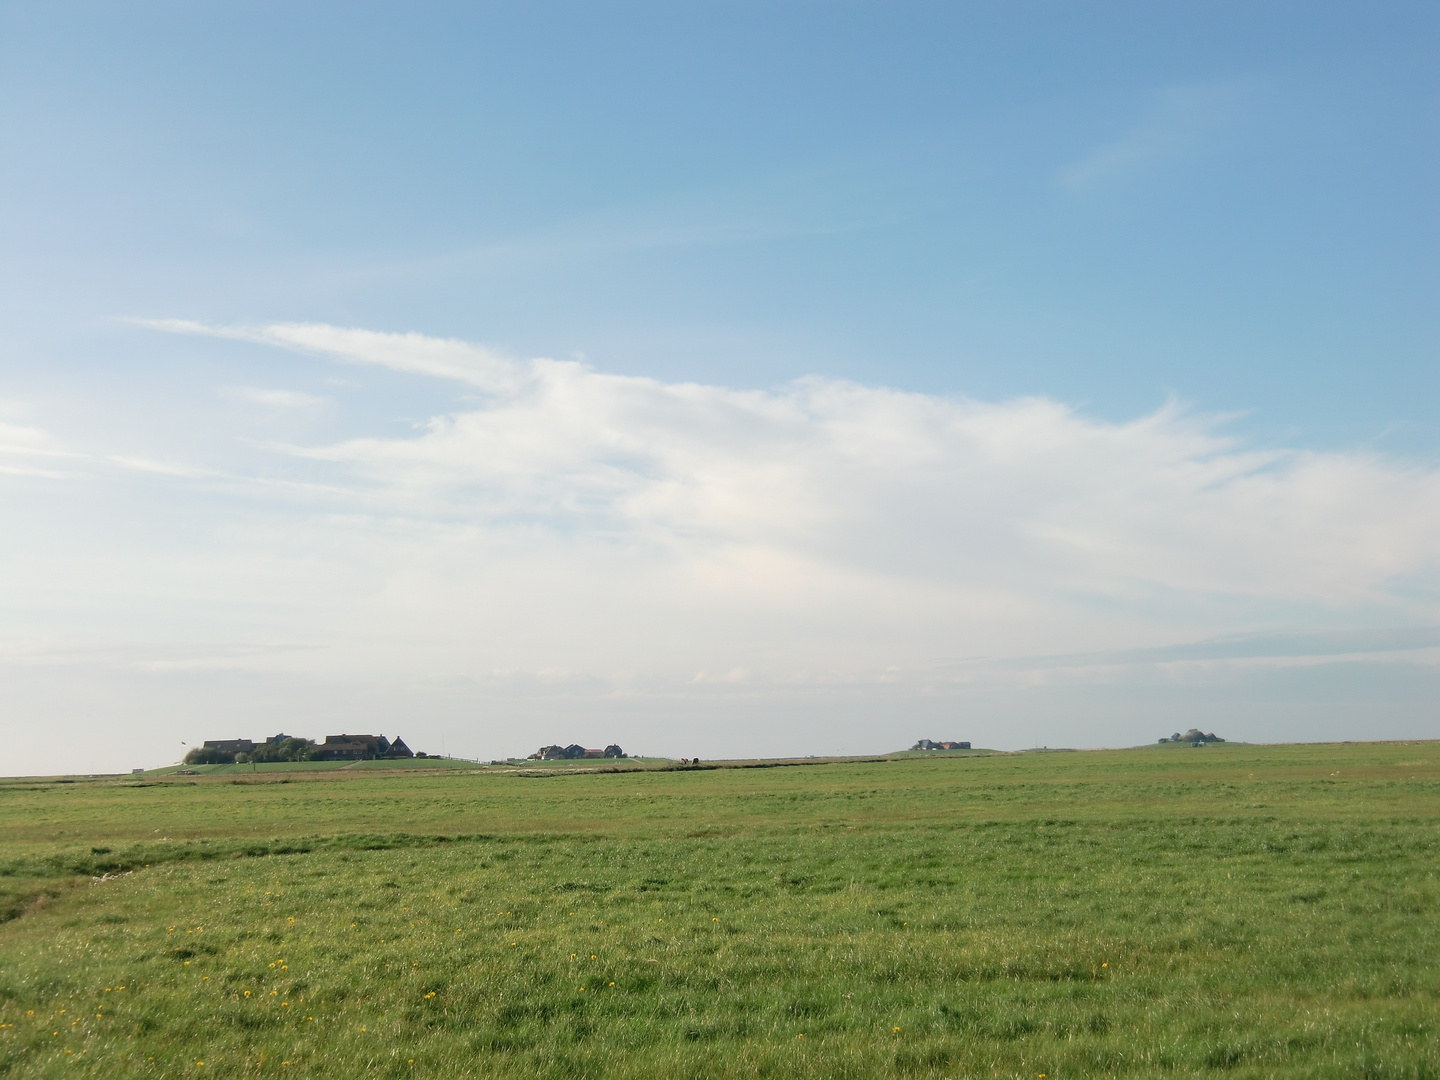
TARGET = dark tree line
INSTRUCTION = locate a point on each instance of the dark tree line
(290, 749)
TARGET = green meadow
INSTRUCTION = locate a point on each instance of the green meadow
(1231, 910)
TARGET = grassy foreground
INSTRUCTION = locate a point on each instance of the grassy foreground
(1229, 911)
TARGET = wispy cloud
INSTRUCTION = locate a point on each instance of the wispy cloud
(1181, 122)
(31, 451)
(160, 468)
(274, 399)
(414, 353)
(20, 441)
(141, 656)
(1294, 644)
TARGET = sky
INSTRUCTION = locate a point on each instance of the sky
(716, 379)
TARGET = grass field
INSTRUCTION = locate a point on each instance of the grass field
(1228, 911)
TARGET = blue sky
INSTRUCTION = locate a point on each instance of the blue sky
(803, 277)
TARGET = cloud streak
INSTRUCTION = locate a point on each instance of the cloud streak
(412, 353)
(1182, 122)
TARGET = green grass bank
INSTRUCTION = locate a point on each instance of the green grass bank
(1233, 911)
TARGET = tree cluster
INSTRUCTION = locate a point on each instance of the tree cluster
(287, 749)
(291, 749)
(209, 755)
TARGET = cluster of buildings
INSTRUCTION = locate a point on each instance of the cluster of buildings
(573, 751)
(930, 744)
(334, 748)
(1194, 737)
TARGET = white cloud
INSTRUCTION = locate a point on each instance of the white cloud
(1025, 496)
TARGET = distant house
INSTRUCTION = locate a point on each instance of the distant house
(362, 748)
(230, 746)
(557, 752)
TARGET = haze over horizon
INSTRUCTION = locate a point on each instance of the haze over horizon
(716, 380)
